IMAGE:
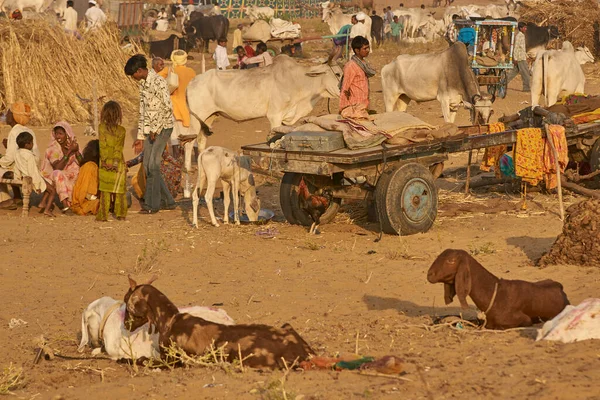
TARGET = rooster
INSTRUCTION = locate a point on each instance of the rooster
(315, 205)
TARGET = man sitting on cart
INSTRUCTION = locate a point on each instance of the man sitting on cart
(467, 36)
(354, 95)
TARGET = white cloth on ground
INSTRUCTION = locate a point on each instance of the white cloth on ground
(284, 29)
(26, 165)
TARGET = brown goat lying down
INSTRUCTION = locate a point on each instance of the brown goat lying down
(267, 346)
(506, 303)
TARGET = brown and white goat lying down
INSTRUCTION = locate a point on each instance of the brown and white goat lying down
(506, 303)
(265, 345)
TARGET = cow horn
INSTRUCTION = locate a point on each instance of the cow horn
(468, 105)
(194, 28)
(475, 98)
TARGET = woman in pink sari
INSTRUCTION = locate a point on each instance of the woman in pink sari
(61, 162)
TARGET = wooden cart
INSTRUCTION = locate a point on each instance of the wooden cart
(400, 179)
(494, 78)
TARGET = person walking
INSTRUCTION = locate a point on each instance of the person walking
(70, 17)
(520, 59)
(154, 130)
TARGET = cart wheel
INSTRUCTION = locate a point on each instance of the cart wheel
(406, 199)
(288, 199)
(273, 50)
(503, 84)
(152, 13)
(595, 156)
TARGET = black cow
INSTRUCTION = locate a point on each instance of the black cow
(537, 37)
(203, 28)
(164, 48)
(377, 29)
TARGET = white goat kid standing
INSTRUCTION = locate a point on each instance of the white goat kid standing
(102, 325)
(216, 163)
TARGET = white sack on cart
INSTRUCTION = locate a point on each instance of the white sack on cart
(574, 323)
(260, 30)
(284, 29)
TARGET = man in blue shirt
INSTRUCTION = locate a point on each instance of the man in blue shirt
(467, 36)
(340, 42)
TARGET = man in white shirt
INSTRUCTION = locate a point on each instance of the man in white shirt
(360, 29)
(94, 16)
(162, 14)
(70, 17)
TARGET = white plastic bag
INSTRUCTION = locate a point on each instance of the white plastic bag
(574, 324)
(172, 80)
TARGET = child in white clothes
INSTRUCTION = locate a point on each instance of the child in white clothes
(220, 55)
(26, 165)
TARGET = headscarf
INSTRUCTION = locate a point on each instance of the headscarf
(54, 151)
(21, 112)
(361, 16)
(179, 57)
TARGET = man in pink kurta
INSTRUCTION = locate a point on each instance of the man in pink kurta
(355, 83)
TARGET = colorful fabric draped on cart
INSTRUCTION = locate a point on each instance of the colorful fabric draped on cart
(491, 155)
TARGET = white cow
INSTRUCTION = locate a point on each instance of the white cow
(556, 73)
(444, 76)
(58, 6)
(283, 92)
(415, 19)
(584, 55)
(336, 19)
(103, 327)
(254, 13)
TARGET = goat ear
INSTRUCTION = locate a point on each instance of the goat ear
(151, 280)
(462, 282)
(132, 283)
(449, 293)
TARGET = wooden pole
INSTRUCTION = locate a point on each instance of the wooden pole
(95, 106)
(557, 167)
(468, 172)
(203, 70)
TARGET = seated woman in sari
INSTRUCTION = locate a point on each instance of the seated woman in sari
(85, 191)
(61, 162)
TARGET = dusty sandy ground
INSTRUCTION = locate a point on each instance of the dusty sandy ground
(342, 291)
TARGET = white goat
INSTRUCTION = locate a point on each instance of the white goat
(216, 163)
(102, 324)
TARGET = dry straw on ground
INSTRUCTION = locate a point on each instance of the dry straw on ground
(574, 19)
(47, 68)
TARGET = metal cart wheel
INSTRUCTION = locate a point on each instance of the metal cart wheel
(273, 50)
(288, 198)
(595, 156)
(406, 199)
(503, 84)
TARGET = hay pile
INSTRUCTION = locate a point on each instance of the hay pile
(47, 68)
(574, 19)
(579, 243)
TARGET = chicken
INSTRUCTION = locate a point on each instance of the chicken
(315, 205)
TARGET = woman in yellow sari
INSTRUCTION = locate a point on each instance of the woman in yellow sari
(85, 192)
(112, 164)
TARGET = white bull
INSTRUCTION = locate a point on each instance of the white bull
(556, 73)
(254, 13)
(58, 6)
(584, 55)
(415, 19)
(283, 92)
(444, 76)
(336, 19)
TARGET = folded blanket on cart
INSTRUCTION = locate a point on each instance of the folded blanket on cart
(284, 29)
(398, 128)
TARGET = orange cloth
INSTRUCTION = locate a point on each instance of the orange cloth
(529, 155)
(491, 156)
(86, 184)
(586, 117)
(560, 142)
(180, 108)
(355, 86)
